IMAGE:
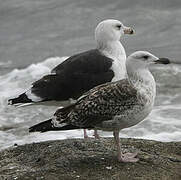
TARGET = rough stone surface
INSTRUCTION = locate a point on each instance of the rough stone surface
(91, 160)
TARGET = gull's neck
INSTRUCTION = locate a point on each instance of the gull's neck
(142, 80)
(112, 48)
(115, 51)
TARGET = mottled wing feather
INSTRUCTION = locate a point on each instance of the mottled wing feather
(93, 90)
(102, 103)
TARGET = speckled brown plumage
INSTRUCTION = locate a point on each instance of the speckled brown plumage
(100, 104)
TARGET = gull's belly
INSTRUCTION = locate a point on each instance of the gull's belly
(133, 117)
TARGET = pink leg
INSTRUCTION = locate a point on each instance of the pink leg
(96, 135)
(126, 157)
(85, 134)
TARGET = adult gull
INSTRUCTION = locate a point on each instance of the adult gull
(81, 72)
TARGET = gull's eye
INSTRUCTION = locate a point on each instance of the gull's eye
(145, 56)
(118, 26)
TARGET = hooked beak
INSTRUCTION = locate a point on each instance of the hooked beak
(128, 30)
(162, 61)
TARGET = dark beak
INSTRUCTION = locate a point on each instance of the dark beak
(162, 61)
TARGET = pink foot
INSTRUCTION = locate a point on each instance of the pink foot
(131, 155)
(128, 157)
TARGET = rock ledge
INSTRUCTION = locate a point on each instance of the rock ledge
(91, 160)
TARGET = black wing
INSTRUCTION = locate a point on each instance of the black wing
(92, 61)
(74, 76)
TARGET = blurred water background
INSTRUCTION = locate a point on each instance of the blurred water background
(35, 36)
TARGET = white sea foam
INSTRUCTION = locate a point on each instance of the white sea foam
(163, 124)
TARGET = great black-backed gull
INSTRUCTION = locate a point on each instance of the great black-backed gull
(83, 71)
(112, 106)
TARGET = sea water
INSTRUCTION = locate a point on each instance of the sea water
(163, 124)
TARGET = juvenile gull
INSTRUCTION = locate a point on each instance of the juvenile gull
(112, 106)
(81, 72)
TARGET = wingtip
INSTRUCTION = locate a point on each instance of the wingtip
(42, 127)
(10, 102)
(21, 99)
(36, 128)
(32, 129)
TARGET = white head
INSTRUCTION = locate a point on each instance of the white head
(137, 69)
(142, 59)
(110, 30)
